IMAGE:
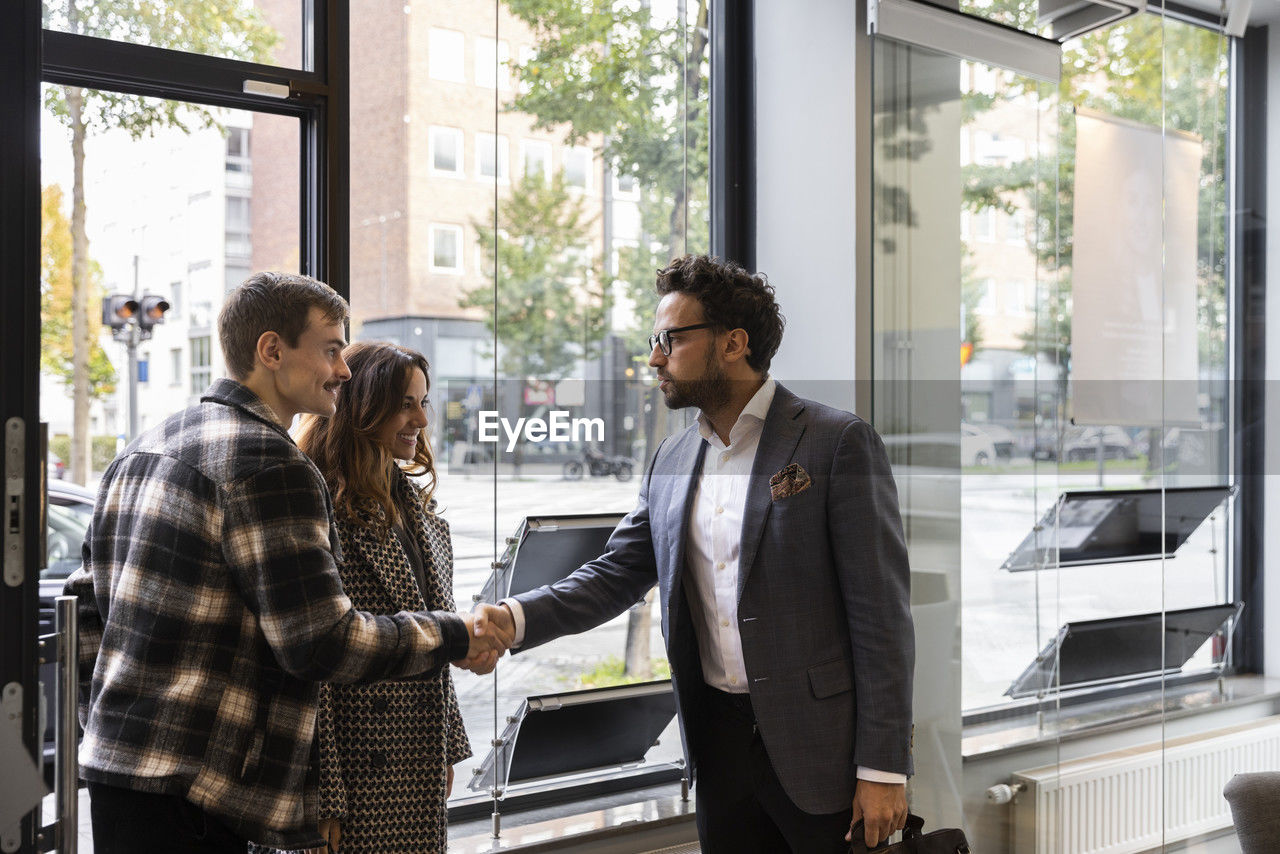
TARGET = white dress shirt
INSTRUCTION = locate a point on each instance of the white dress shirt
(715, 541)
(713, 548)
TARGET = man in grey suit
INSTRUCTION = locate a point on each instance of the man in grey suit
(772, 530)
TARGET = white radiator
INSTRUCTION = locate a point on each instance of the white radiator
(1139, 798)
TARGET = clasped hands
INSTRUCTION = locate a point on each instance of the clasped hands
(492, 631)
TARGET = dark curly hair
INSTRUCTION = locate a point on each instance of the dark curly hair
(731, 298)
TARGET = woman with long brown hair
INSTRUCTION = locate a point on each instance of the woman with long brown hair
(387, 749)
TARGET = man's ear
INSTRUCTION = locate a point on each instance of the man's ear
(735, 345)
(269, 350)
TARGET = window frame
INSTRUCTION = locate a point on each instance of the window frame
(459, 138)
(499, 145)
(433, 47)
(499, 71)
(436, 228)
(589, 178)
(545, 145)
(319, 99)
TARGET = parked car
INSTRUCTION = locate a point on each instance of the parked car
(1001, 437)
(1081, 443)
(977, 448)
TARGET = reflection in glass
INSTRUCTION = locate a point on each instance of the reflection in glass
(263, 32)
(521, 176)
(980, 250)
(188, 231)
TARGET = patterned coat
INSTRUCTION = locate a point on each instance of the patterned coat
(385, 748)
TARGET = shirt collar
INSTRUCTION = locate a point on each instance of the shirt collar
(753, 414)
(231, 393)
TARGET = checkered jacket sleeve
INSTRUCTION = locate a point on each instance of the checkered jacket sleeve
(277, 548)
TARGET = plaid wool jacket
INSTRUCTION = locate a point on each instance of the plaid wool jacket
(210, 610)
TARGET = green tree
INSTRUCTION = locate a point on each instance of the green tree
(636, 90)
(545, 302)
(55, 301)
(231, 28)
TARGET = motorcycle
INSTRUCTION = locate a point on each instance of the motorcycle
(599, 465)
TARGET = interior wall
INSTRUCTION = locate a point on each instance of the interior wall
(805, 172)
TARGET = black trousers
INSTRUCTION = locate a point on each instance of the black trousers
(129, 822)
(741, 806)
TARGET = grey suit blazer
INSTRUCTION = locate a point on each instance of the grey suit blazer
(823, 591)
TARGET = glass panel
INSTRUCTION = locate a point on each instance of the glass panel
(567, 290)
(185, 234)
(268, 32)
(961, 241)
(1142, 256)
(142, 199)
(512, 263)
(1086, 272)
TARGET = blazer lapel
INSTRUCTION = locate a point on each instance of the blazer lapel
(778, 440)
(687, 458)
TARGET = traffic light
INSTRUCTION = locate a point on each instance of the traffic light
(118, 310)
(152, 312)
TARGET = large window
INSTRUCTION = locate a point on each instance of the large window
(1075, 426)
(493, 155)
(157, 198)
(189, 223)
(529, 286)
(446, 151)
(1065, 483)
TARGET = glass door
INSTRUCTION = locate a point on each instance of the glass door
(962, 237)
(1050, 376)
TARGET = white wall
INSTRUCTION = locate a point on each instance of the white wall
(805, 189)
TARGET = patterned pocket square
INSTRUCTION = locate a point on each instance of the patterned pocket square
(792, 480)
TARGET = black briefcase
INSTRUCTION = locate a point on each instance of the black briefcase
(948, 840)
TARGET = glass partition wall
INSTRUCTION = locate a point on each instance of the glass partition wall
(1050, 369)
(519, 171)
(1050, 364)
(597, 174)
(525, 169)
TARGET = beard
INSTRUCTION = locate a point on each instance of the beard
(709, 391)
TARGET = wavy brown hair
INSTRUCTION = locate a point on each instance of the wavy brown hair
(357, 468)
(731, 298)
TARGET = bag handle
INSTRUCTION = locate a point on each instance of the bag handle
(913, 829)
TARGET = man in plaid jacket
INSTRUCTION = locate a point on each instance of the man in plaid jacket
(211, 606)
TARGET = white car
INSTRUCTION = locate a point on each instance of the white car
(977, 448)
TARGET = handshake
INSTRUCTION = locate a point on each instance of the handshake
(492, 630)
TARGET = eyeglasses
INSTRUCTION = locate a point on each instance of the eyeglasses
(662, 338)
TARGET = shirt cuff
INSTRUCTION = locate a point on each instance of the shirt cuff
(454, 637)
(871, 775)
(517, 617)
